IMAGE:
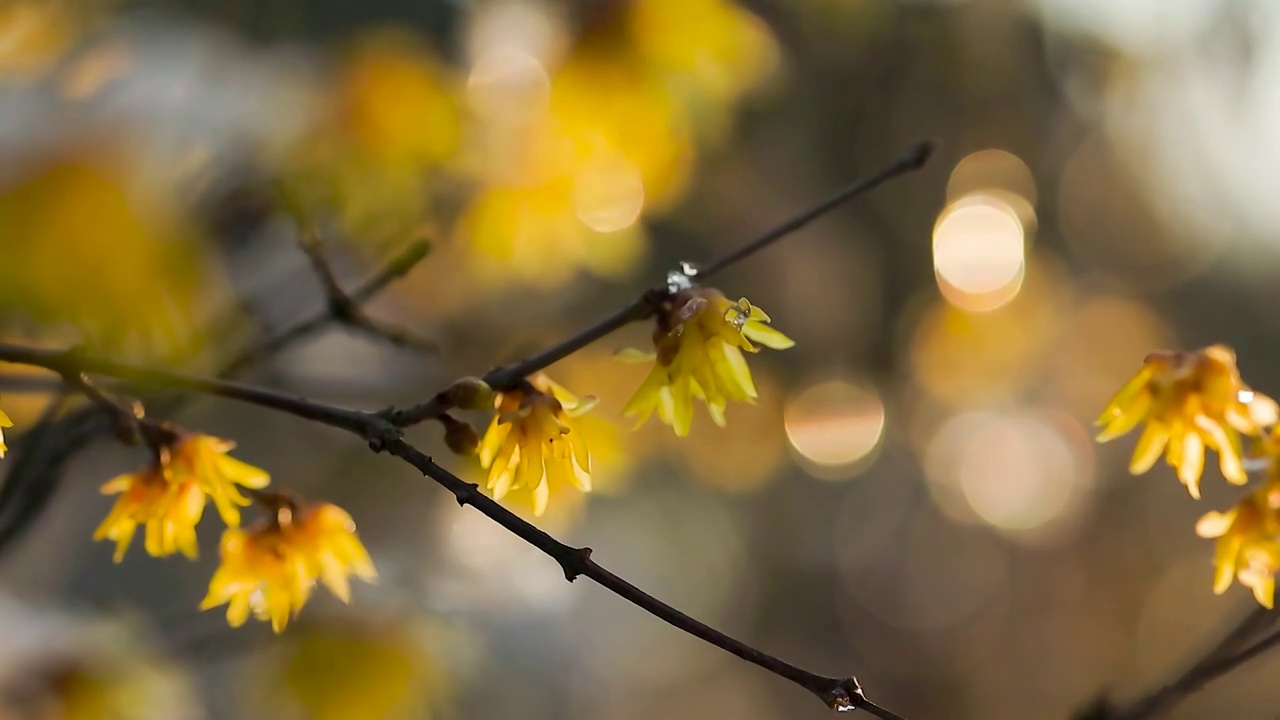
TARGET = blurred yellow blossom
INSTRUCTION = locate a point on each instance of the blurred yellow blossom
(1190, 401)
(530, 447)
(33, 35)
(169, 509)
(718, 48)
(203, 460)
(1248, 542)
(5, 422)
(699, 342)
(389, 120)
(271, 569)
(88, 246)
(368, 670)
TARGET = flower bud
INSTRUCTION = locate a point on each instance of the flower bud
(469, 393)
(460, 436)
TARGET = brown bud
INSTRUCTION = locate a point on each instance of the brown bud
(460, 436)
(469, 393)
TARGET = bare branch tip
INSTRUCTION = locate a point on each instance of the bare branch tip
(919, 155)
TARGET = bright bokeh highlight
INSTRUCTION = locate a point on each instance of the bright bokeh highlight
(833, 426)
(979, 252)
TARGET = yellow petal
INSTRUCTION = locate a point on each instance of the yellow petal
(5, 422)
(118, 484)
(732, 370)
(1215, 524)
(1191, 464)
(493, 439)
(1135, 389)
(767, 335)
(1264, 591)
(1224, 560)
(1149, 447)
(541, 495)
(756, 312)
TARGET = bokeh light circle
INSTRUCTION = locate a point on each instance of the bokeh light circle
(979, 252)
(834, 426)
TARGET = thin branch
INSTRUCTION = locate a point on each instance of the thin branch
(1220, 659)
(838, 693)
(395, 268)
(506, 377)
(912, 159)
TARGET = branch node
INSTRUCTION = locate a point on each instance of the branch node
(845, 695)
(464, 498)
(573, 569)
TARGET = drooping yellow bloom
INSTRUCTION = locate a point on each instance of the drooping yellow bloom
(530, 446)
(204, 460)
(699, 342)
(169, 509)
(1190, 401)
(271, 569)
(5, 422)
(1248, 543)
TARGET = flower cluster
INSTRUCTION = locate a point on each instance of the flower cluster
(698, 344)
(530, 446)
(1248, 542)
(271, 568)
(168, 496)
(1193, 401)
(1190, 402)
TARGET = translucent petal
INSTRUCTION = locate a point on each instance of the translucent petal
(1119, 403)
(1224, 569)
(1120, 421)
(767, 335)
(541, 495)
(1264, 591)
(1215, 524)
(1149, 447)
(732, 371)
(494, 436)
(682, 407)
(1191, 464)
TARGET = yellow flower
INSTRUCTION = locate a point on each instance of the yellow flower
(530, 446)
(204, 460)
(1190, 401)
(1248, 543)
(5, 422)
(699, 341)
(169, 509)
(270, 569)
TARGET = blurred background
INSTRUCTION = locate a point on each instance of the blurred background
(916, 497)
